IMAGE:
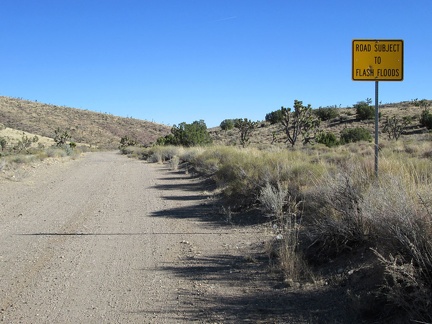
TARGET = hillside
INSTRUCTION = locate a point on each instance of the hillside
(97, 129)
(104, 130)
(263, 135)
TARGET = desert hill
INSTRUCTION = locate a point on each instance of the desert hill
(104, 130)
(266, 133)
(97, 129)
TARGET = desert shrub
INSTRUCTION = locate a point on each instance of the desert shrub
(426, 119)
(402, 232)
(326, 113)
(166, 140)
(364, 110)
(21, 159)
(338, 224)
(59, 152)
(356, 134)
(3, 143)
(127, 141)
(25, 143)
(189, 154)
(168, 152)
(329, 139)
(273, 199)
(351, 209)
(274, 117)
(137, 152)
(174, 162)
(155, 157)
(426, 115)
(227, 124)
(190, 134)
(286, 214)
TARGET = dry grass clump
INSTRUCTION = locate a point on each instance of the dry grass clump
(403, 235)
(286, 213)
(351, 209)
(333, 217)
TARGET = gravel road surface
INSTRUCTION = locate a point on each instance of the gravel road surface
(107, 239)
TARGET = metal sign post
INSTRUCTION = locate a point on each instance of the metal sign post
(377, 60)
(376, 129)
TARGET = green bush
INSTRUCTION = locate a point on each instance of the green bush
(426, 119)
(364, 110)
(351, 135)
(274, 117)
(326, 113)
(327, 138)
(227, 124)
(166, 140)
(191, 134)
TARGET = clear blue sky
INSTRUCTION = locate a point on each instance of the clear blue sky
(173, 61)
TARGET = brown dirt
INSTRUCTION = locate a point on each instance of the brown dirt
(106, 239)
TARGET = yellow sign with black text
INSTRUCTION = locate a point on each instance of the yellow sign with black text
(377, 60)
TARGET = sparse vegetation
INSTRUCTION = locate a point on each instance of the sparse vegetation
(100, 130)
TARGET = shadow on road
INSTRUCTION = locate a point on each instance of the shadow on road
(255, 295)
(239, 289)
(207, 208)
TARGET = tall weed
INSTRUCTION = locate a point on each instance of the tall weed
(286, 229)
(403, 231)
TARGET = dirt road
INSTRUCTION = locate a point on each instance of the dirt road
(107, 239)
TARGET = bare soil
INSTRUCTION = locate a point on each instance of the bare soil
(107, 239)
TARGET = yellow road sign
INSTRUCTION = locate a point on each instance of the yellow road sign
(377, 60)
